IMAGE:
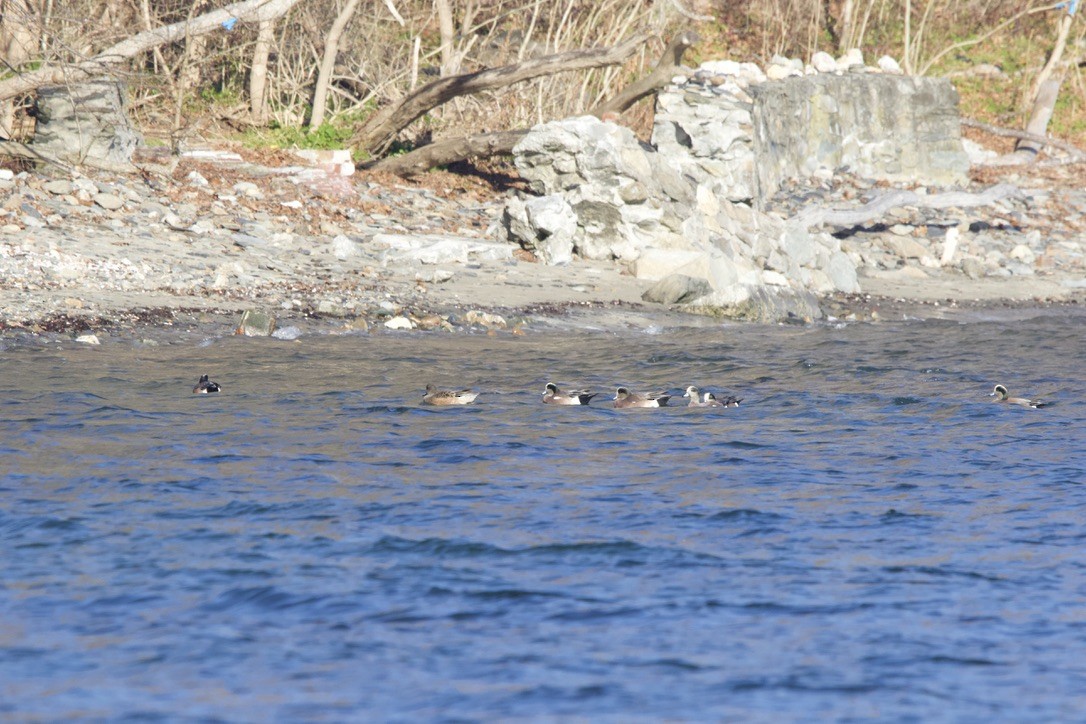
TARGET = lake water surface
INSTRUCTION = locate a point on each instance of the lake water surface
(867, 536)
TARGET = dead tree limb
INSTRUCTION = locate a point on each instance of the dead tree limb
(501, 143)
(247, 11)
(1071, 150)
(847, 218)
(377, 135)
(665, 69)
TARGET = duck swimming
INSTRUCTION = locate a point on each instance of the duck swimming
(625, 398)
(553, 396)
(695, 397)
(709, 400)
(712, 400)
(434, 396)
(999, 392)
(205, 386)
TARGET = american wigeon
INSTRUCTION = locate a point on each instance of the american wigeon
(625, 398)
(695, 397)
(205, 386)
(712, 400)
(999, 392)
(709, 400)
(434, 396)
(553, 396)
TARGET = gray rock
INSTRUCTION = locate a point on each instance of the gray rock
(256, 323)
(677, 289)
(775, 304)
(907, 247)
(86, 119)
(58, 187)
(972, 267)
(842, 273)
(109, 202)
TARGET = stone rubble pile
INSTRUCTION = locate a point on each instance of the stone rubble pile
(607, 196)
(699, 213)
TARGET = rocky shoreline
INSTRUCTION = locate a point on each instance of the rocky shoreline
(311, 247)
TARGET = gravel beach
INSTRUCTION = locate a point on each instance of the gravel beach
(221, 235)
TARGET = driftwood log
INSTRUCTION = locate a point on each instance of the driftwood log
(876, 208)
(501, 143)
(421, 160)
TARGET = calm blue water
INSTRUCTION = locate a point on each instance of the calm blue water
(868, 536)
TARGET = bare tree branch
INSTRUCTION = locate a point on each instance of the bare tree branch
(501, 143)
(377, 135)
(248, 11)
(328, 62)
(665, 69)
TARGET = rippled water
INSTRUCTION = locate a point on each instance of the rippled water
(868, 536)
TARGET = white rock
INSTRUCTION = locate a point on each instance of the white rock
(440, 248)
(780, 72)
(343, 247)
(486, 319)
(87, 339)
(248, 189)
(195, 178)
(852, 57)
(399, 323)
(823, 62)
(1023, 253)
(287, 333)
(889, 65)
(555, 225)
(721, 67)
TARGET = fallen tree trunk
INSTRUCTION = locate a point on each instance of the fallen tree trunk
(377, 135)
(247, 11)
(502, 142)
(876, 208)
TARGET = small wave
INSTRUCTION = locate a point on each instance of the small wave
(437, 443)
(740, 445)
(263, 597)
(392, 544)
(745, 514)
(943, 572)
